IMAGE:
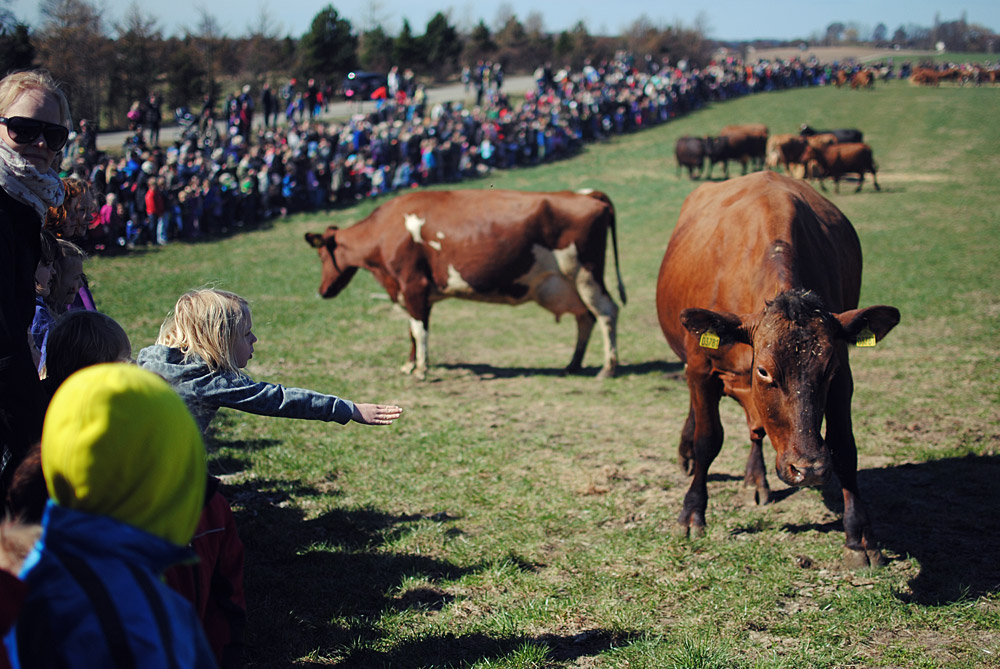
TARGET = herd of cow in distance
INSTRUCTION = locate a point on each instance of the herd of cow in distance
(757, 295)
(813, 154)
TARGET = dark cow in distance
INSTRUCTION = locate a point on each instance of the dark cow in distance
(842, 134)
(836, 160)
(690, 153)
(746, 144)
(757, 295)
(490, 246)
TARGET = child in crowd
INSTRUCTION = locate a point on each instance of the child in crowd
(120, 453)
(203, 346)
(71, 219)
(42, 322)
(68, 279)
(78, 339)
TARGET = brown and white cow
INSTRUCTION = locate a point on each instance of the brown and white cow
(786, 150)
(758, 295)
(490, 246)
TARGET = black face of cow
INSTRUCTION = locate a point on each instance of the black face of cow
(715, 147)
(795, 359)
(334, 278)
(798, 348)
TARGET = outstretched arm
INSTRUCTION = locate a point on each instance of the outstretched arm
(376, 414)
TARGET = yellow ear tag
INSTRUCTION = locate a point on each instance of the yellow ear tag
(866, 338)
(709, 339)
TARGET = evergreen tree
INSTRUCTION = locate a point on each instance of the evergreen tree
(441, 45)
(16, 50)
(375, 52)
(329, 48)
(407, 49)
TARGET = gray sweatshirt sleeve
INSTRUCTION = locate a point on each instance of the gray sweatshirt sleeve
(272, 399)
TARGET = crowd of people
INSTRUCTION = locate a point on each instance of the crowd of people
(280, 154)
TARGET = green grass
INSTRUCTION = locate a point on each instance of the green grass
(517, 518)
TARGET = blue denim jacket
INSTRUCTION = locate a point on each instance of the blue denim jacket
(205, 391)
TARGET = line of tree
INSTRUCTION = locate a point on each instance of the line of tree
(106, 65)
(958, 36)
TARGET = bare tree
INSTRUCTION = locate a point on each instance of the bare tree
(534, 24)
(137, 60)
(505, 14)
(207, 38)
(261, 53)
(375, 15)
(72, 45)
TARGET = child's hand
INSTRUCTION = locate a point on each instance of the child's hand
(376, 414)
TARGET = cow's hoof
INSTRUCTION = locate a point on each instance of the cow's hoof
(683, 531)
(408, 368)
(686, 464)
(606, 373)
(863, 559)
(759, 496)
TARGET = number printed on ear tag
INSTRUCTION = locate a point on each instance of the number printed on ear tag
(709, 339)
(866, 339)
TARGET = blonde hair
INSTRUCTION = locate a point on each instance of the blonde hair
(16, 84)
(80, 339)
(207, 322)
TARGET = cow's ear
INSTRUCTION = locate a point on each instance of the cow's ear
(314, 240)
(729, 328)
(859, 324)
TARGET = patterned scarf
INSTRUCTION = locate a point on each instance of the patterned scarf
(26, 184)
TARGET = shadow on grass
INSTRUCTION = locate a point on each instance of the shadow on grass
(943, 513)
(450, 650)
(487, 371)
(228, 463)
(320, 587)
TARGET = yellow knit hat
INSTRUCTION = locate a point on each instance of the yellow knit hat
(119, 442)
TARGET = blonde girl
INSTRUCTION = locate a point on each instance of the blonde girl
(202, 349)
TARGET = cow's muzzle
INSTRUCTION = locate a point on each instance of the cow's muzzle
(805, 471)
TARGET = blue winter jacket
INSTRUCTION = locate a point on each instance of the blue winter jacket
(205, 391)
(74, 614)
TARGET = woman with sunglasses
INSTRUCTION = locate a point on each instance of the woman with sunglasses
(34, 126)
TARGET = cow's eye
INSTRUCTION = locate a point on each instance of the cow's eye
(763, 374)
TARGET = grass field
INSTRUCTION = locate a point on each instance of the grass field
(514, 517)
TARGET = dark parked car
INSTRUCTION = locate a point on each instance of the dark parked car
(361, 85)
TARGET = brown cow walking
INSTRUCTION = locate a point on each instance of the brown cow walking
(490, 246)
(758, 295)
(836, 160)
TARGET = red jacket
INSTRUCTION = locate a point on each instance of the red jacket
(214, 585)
(156, 203)
(12, 592)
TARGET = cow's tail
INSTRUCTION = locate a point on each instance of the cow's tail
(598, 195)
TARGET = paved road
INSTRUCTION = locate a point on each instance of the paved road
(113, 141)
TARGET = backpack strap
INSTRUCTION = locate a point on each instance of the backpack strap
(104, 608)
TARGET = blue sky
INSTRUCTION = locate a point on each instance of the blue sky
(722, 19)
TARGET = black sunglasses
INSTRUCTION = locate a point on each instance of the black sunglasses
(26, 130)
